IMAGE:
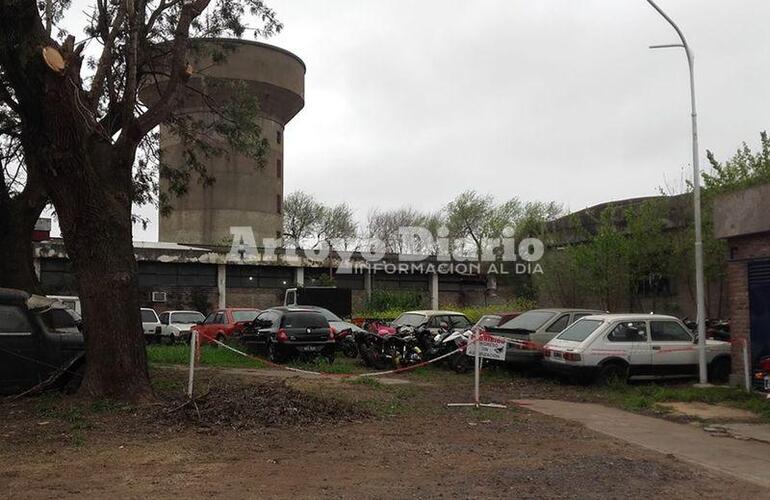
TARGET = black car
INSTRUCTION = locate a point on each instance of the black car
(284, 333)
(30, 351)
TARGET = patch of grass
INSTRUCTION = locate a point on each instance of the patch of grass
(210, 356)
(367, 381)
(320, 364)
(396, 404)
(646, 397)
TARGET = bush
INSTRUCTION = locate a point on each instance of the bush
(384, 300)
(472, 312)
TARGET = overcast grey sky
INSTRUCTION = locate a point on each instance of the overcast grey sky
(412, 102)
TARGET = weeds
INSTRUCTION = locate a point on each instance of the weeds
(646, 397)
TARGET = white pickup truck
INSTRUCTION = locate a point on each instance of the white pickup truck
(604, 347)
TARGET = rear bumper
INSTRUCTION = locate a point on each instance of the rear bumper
(522, 356)
(569, 370)
(253, 344)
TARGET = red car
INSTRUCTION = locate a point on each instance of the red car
(223, 323)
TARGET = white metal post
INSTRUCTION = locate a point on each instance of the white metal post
(699, 277)
(746, 368)
(193, 345)
(477, 398)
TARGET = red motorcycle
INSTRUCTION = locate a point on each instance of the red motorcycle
(762, 375)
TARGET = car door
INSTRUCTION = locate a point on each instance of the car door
(547, 333)
(19, 363)
(628, 340)
(205, 328)
(673, 350)
(263, 325)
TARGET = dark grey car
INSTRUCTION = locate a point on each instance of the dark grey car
(286, 332)
(30, 351)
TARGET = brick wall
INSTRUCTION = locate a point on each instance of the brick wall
(742, 250)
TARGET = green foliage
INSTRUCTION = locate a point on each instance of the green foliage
(743, 170)
(472, 312)
(210, 356)
(645, 397)
(384, 300)
(475, 312)
(308, 222)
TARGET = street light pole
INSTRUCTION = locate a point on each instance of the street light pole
(699, 279)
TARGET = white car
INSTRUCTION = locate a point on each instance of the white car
(150, 322)
(603, 347)
(176, 325)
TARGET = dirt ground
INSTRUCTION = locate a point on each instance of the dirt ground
(379, 441)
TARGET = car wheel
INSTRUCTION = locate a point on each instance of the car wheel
(220, 338)
(612, 372)
(171, 339)
(719, 371)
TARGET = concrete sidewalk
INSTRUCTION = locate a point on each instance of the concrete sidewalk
(746, 460)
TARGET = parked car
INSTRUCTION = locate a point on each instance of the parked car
(68, 300)
(534, 329)
(150, 324)
(632, 346)
(432, 320)
(30, 353)
(490, 320)
(334, 321)
(286, 332)
(224, 323)
(176, 325)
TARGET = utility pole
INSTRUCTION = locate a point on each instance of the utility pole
(699, 275)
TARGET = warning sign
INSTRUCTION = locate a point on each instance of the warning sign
(489, 346)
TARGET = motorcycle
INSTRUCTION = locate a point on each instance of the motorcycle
(381, 349)
(762, 375)
(347, 343)
(402, 348)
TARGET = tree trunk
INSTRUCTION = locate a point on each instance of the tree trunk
(17, 222)
(87, 175)
(101, 251)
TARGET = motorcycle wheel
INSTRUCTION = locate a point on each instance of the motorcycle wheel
(349, 349)
(462, 364)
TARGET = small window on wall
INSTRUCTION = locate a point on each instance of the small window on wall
(278, 168)
(278, 136)
(278, 204)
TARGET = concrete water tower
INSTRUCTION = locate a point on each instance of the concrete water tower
(242, 195)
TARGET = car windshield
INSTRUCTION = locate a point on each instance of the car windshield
(488, 320)
(149, 316)
(410, 319)
(187, 317)
(239, 316)
(580, 330)
(304, 320)
(330, 316)
(530, 320)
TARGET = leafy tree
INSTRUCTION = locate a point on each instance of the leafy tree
(604, 262)
(302, 213)
(83, 129)
(744, 169)
(384, 225)
(477, 218)
(336, 223)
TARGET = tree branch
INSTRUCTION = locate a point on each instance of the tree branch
(178, 71)
(105, 60)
